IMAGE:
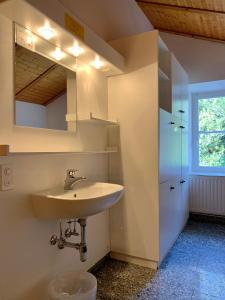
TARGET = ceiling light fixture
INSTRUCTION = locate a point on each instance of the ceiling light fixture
(76, 50)
(58, 54)
(46, 32)
(97, 63)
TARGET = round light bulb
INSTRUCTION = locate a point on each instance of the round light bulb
(76, 50)
(46, 32)
(58, 54)
(97, 63)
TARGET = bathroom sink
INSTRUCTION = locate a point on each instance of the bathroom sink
(86, 199)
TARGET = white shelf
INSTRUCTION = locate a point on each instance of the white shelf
(106, 151)
(98, 121)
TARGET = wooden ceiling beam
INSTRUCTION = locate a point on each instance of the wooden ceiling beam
(40, 77)
(195, 36)
(181, 8)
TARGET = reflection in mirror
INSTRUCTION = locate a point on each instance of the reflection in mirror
(40, 91)
(45, 83)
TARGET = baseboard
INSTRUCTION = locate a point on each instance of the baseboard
(203, 217)
(134, 260)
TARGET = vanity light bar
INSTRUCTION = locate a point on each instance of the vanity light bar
(31, 41)
(47, 32)
(34, 42)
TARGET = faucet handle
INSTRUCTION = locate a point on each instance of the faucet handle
(71, 172)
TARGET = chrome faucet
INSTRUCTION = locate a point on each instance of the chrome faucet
(71, 179)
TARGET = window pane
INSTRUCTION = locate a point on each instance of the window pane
(211, 114)
(212, 150)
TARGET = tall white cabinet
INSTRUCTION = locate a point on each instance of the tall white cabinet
(173, 161)
(150, 101)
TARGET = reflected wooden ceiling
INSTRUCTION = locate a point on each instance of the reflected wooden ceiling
(197, 18)
(37, 79)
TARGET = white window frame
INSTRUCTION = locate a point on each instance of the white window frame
(196, 169)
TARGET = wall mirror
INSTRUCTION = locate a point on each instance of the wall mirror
(45, 84)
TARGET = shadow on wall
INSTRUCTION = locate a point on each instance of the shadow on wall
(117, 212)
(37, 290)
(27, 260)
(121, 235)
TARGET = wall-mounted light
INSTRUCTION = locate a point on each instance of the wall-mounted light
(58, 54)
(47, 32)
(76, 50)
(97, 63)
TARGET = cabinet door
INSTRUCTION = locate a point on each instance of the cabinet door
(176, 149)
(170, 147)
(184, 174)
(184, 150)
(165, 146)
(180, 92)
(184, 200)
(176, 83)
(184, 95)
(169, 216)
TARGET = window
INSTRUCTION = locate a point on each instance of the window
(208, 133)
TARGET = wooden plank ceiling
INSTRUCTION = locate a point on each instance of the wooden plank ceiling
(197, 18)
(37, 79)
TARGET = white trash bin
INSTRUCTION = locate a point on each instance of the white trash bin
(73, 286)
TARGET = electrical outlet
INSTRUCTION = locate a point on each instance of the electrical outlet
(6, 177)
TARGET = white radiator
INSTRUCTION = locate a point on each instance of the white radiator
(207, 194)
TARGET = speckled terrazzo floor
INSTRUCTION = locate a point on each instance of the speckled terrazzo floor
(193, 270)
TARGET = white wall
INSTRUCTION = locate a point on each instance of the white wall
(133, 100)
(30, 114)
(110, 19)
(113, 19)
(26, 259)
(203, 60)
(206, 192)
(91, 97)
(52, 116)
(209, 86)
(56, 113)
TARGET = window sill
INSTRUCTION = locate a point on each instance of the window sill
(207, 174)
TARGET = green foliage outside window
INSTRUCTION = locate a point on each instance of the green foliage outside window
(211, 145)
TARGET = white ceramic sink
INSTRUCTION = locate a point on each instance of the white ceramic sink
(86, 199)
